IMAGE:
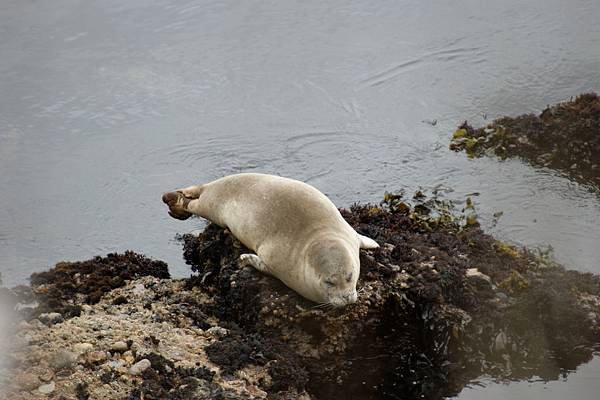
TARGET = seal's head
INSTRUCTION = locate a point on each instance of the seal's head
(335, 267)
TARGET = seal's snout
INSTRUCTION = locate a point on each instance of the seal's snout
(351, 298)
(176, 207)
(344, 300)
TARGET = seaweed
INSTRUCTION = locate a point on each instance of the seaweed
(56, 289)
(423, 327)
(564, 137)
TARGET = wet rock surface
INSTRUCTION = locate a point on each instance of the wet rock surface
(441, 303)
(565, 137)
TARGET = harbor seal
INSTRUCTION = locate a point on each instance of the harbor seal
(297, 233)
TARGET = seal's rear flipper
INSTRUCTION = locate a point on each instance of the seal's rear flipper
(177, 203)
(367, 243)
(191, 192)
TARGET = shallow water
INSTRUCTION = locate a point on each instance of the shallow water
(106, 105)
(585, 381)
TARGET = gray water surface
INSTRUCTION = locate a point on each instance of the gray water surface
(105, 105)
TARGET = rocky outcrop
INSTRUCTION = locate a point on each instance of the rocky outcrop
(440, 304)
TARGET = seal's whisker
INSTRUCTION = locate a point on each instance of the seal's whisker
(323, 306)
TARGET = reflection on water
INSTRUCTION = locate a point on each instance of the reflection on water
(585, 380)
(107, 105)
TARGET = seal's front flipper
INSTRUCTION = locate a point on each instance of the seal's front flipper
(367, 243)
(255, 261)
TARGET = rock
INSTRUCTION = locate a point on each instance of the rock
(128, 357)
(592, 316)
(115, 363)
(63, 359)
(475, 274)
(51, 318)
(500, 342)
(502, 297)
(139, 288)
(389, 247)
(24, 326)
(96, 357)
(36, 324)
(119, 346)
(47, 388)
(47, 375)
(27, 381)
(217, 332)
(82, 348)
(139, 367)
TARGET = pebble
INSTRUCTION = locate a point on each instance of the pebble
(47, 388)
(389, 247)
(115, 363)
(217, 332)
(128, 357)
(139, 288)
(139, 367)
(27, 381)
(500, 342)
(119, 346)
(96, 356)
(474, 273)
(502, 297)
(46, 375)
(592, 316)
(51, 318)
(63, 359)
(82, 348)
